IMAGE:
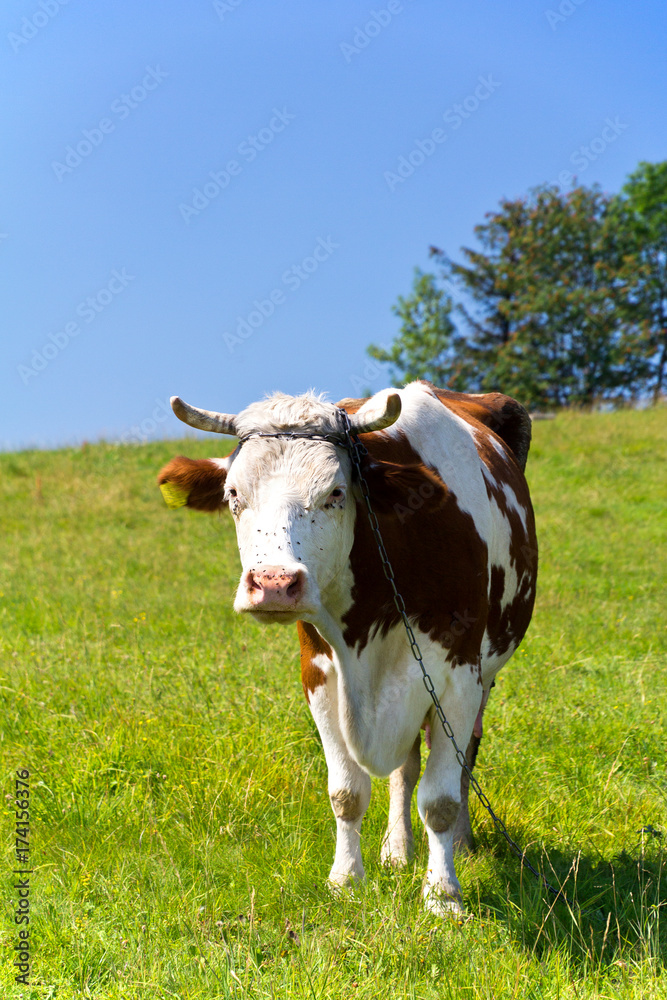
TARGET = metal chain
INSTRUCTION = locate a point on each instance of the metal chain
(357, 451)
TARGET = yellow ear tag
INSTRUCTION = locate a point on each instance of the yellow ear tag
(173, 495)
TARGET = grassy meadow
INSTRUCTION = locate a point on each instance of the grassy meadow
(181, 829)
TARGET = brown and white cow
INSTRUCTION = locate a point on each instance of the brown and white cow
(445, 473)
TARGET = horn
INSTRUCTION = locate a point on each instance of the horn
(376, 416)
(203, 420)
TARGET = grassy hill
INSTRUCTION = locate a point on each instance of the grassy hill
(181, 829)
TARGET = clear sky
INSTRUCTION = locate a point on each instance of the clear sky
(205, 199)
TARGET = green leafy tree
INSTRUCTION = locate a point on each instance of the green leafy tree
(546, 320)
(641, 212)
(574, 342)
(488, 282)
(564, 302)
(425, 348)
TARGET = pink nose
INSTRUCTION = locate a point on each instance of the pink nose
(274, 587)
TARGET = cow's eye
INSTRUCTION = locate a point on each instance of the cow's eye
(335, 498)
(232, 492)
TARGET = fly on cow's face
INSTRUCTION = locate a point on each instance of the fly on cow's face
(335, 499)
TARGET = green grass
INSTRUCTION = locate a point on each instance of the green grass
(181, 829)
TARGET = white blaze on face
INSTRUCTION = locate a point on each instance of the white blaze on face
(294, 523)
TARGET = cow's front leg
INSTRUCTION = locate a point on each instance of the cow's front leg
(439, 796)
(349, 785)
(398, 844)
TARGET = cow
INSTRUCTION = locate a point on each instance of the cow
(444, 472)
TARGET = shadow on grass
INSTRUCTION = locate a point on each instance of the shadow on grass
(616, 903)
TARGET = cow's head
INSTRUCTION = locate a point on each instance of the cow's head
(290, 497)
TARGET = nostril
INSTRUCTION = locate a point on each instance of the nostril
(275, 586)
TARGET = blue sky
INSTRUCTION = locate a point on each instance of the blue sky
(205, 199)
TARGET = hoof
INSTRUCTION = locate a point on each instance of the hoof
(342, 883)
(443, 904)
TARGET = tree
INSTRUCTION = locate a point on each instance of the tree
(425, 347)
(641, 212)
(573, 275)
(549, 285)
(489, 285)
(550, 302)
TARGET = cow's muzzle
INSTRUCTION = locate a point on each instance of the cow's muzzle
(274, 591)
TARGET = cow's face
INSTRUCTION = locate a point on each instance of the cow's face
(290, 498)
(294, 519)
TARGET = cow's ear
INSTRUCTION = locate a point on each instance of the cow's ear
(394, 488)
(198, 483)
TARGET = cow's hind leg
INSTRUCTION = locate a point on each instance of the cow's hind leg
(398, 843)
(463, 839)
(349, 785)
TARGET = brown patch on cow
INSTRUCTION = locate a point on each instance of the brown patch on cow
(498, 413)
(441, 814)
(351, 405)
(201, 480)
(346, 804)
(501, 414)
(497, 416)
(312, 644)
(496, 591)
(507, 627)
(402, 489)
(439, 560)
